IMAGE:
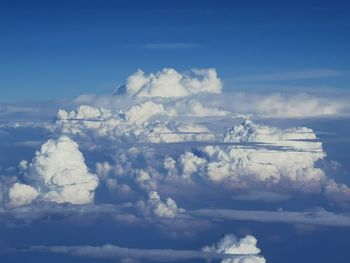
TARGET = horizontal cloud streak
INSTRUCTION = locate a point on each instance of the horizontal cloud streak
(318, 217)
(174, 45)
(110, 252)
(293, 75)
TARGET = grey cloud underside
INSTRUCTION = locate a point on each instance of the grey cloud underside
(317, 217)
(228, 248)
(110, 252)
(128, 214)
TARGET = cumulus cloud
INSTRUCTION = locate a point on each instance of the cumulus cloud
(255, 155)
(252, 161)
(155, 206)
(58, 173)
(245, 246)
(143, 122)
(21, 194)
(169, 83)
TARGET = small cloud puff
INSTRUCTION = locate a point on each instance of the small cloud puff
(169, 83)
(21, 194)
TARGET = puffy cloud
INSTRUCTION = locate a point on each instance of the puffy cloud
(189, 163)
(337, 192)
(245, 246)
(169, 83)
(21, 194)
(59, 174)
(157, 207)
(139, 123)
(140, 113)
(265, 156)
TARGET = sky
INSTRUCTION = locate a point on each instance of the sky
(53, 49)
(174, 131)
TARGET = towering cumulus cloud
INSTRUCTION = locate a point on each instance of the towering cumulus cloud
(59, 173)
(169, 83)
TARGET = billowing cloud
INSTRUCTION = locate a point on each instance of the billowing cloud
(21, 194)
(169, 83)
(253, 156)
(229, 244)
(155, 206)
(58, 173)
(142, 122)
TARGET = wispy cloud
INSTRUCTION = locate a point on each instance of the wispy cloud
(172, 45)
(112, 252)
(317, 217)
(292, 75)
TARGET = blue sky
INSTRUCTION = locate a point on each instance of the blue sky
(52, 49)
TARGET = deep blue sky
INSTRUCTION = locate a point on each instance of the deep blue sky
(57, 49)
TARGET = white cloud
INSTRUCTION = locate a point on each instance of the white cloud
(293, 75)
(265, 157)
(140, 113)
(298, 106)
(155, 206)
(286, 105)
(169, 83)
(21, 194)
(59, 173)
(189, 164)
(197, 109)
(245, 246)
(143, 122)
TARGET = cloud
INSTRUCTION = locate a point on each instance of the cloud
(154, 206)
(230, 245)
(293, 75)
(58, 173)
(142, 122)
(230, 249)
(319, 217)
(195, 108)
(299, 106)
(251, 162)
(264, 157)
(167, 46)
(169, 83)
(21, 194)
(259, 195)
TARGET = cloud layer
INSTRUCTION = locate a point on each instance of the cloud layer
(229, 248)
